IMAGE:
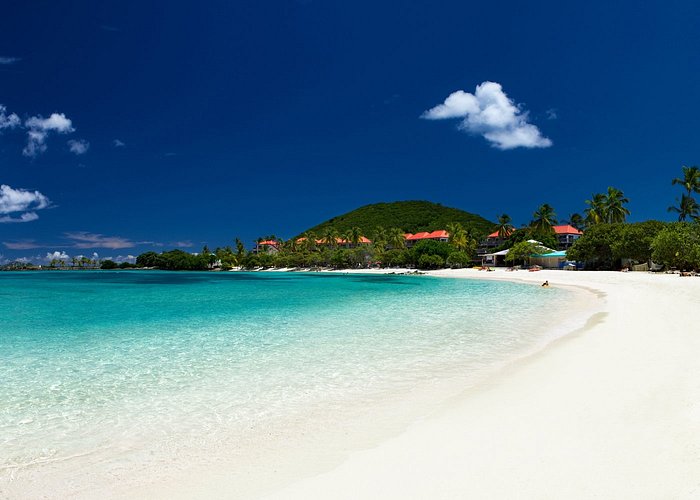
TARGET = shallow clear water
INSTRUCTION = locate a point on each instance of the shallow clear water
(142, 365)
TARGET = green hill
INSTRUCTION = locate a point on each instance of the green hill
(410, 216)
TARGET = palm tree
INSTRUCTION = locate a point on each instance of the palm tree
(240, 251)
(454, 229)
(354, 236)
(330, 236)
(596, 213)
(379, 238)
(690, 180)
(396, 238)
(309, 241)
(543, 219)
(576, 221)
(614, 206)
(504, 227)
(687, 207)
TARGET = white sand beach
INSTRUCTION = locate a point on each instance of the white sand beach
(609, 411)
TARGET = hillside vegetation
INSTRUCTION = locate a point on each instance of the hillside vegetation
(409, 216)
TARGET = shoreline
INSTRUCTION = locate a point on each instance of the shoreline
(311, 458)
(609, 410)
(311, 452)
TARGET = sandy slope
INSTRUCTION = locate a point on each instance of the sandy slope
(611, 411)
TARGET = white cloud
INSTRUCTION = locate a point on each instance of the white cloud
(9, 60)
(83, 239)
(78, 147)
(56, 255)
(8, 121)
(13, 201)
(25, 217)
(39, 129)
(118, 144)
(489, 112)
(21, 245)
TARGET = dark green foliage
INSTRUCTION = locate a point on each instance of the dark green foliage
(595, 247)
(636, 239)
(603, 246)
(409, 216)
(395, 258)
(126, 265)
(148, 259)
(431, 247)
(109, 264)
(174, 260)
(678, 245)
(458, 259)
(428, 261)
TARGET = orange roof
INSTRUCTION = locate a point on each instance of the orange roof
(441, 233)
(564, 229)
(340, 241)
(268, 242)
(418, 236)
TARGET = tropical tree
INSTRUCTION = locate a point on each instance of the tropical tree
(687, 208)
(240, 251)
(596, 213)
(396, 238)
(354, 236)
(615, 202)
(678, 245)
(309, 241)
(330, 236)
(521, 252)
(543, 219)
(690, 180)
(504, 227)
(576, 220)
(379, 238)
(460, 238)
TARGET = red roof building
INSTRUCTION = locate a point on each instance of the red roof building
(566, 235)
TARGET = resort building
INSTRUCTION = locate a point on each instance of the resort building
(439, 235)
(566, 236)
(267, 246)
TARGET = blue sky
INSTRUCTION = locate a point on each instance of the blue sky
(126, 127)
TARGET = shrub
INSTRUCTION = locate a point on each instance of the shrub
(678, 245)
(427, 261)
(458, 259)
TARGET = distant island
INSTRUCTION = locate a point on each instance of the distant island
(426, 235)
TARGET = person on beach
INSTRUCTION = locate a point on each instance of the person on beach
(545, 284)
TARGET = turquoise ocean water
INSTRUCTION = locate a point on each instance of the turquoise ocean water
(120, 370)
